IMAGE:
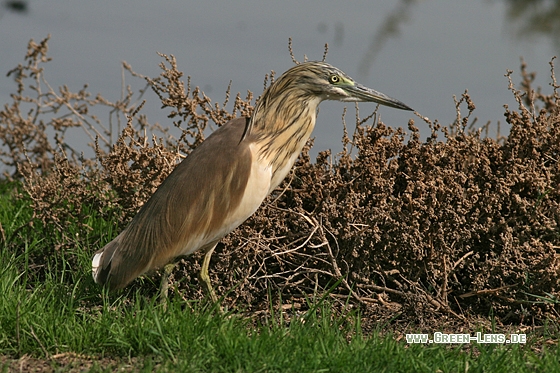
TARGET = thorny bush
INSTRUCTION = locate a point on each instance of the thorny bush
(457, 227)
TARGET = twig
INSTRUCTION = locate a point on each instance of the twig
(486, 291)
(40, 343)
(383, 289)
(69, 107)
(300, 246)
(460, 260)
(291, 50)
(3, 233)
(445, 277)
(325, 52)
(336, 269)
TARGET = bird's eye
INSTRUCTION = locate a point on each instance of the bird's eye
(334, 79)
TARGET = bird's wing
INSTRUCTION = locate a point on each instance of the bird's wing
(216, 188)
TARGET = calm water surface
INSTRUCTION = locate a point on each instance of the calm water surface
(421, 52)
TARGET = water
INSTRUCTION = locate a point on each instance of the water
(420, 52)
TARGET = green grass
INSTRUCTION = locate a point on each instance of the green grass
(60, 310)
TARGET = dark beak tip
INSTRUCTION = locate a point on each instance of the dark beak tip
(399, 105)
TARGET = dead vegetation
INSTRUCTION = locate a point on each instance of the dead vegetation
(459, 225)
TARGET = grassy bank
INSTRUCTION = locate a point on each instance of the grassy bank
(55, 318)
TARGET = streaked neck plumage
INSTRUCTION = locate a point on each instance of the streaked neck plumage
(282, 123)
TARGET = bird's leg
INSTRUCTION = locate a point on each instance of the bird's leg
(204, 278)
(164, 284)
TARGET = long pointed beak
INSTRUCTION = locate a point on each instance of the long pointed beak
(359, 92)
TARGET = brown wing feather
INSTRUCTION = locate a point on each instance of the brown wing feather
(186, 212)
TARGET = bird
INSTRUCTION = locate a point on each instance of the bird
(223, 181)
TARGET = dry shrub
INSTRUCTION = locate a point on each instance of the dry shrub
(467, 225)
(124, 173)
(461, 226)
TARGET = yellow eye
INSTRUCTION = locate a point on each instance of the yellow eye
(334, 79)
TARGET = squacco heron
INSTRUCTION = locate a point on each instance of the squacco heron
(225, 179)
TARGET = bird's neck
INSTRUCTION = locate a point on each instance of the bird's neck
(280, 129)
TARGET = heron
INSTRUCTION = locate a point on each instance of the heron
(225, 179)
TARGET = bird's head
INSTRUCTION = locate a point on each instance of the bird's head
(326, 82)
(294, 97)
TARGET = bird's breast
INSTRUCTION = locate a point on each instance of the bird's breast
(256, 190)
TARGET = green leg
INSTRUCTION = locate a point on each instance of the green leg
(204, 278)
